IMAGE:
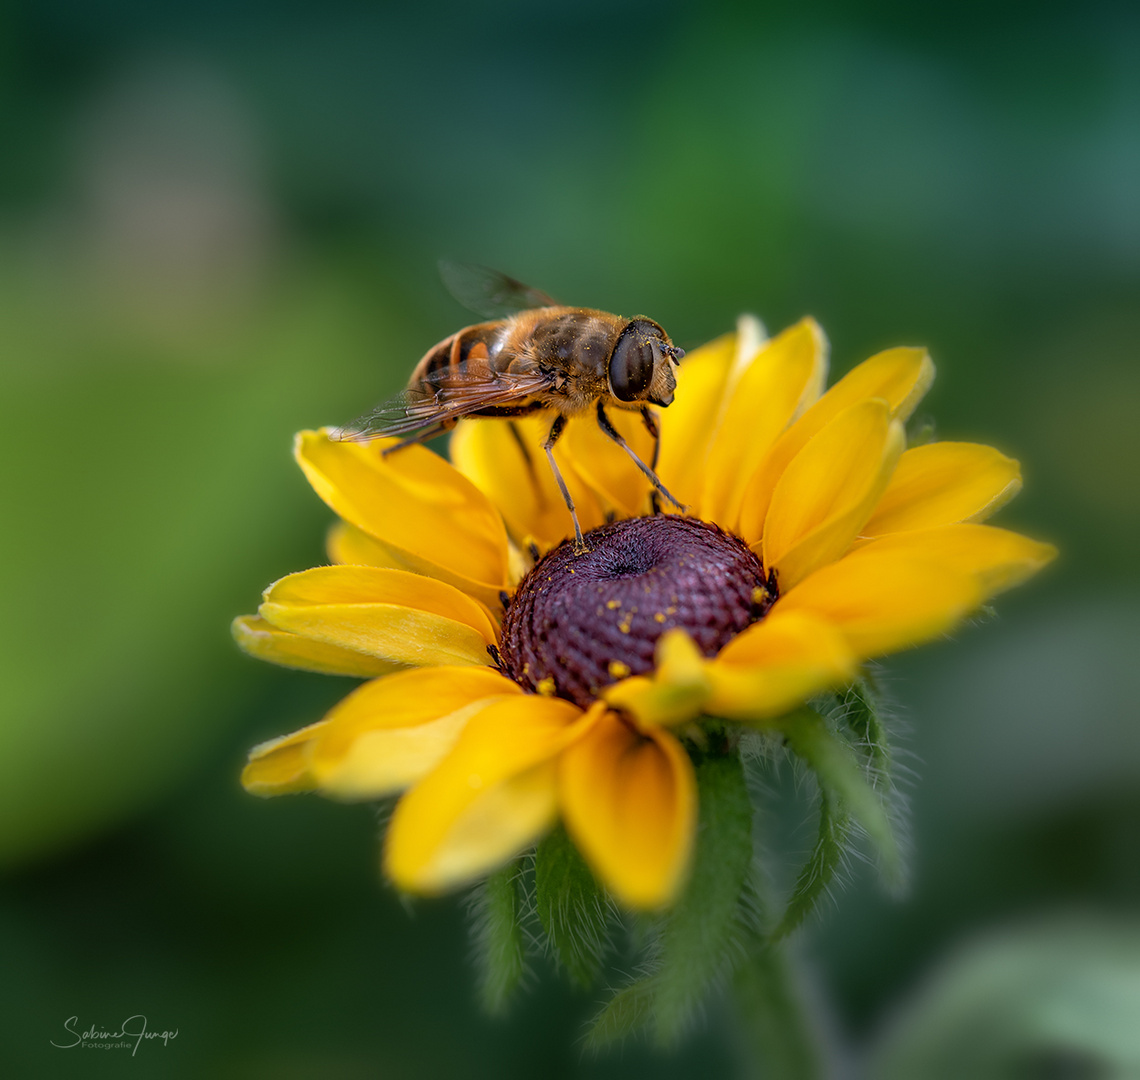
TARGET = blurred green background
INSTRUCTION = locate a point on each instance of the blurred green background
(220, 223)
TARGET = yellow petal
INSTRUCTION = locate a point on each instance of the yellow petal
(751, 337)
(775, 665)
(942, 484)
(391, 732)
(489, 798)
(353, 551)
(605, 466)
(687, 426)
(350, 546)
(996, 558)
(677, 690)
(258, 638)
(281, 766)
(882, 602)
(506, 461)
(414, 503)
(899, 376)
(400, 617)
(783, 376)
(629, 801)
(829, 489)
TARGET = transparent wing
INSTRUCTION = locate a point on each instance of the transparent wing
(441, 397)
(488, 292)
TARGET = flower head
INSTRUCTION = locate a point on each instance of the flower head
(515, 683)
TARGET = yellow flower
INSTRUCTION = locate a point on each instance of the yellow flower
(514, 684)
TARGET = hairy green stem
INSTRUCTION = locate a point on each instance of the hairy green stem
(780, 1041)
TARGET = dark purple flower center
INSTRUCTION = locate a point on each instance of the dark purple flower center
(578, 623)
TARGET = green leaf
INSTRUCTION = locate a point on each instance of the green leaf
(498, 938)
(702, 931)
(826, 857)
(572, 908)
(628, 1011)
(1053, 997)
(841, 777)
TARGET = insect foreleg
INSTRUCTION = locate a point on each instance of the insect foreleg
(650, 422)
(580, 547)
(613, 433)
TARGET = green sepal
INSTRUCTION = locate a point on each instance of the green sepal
(857, 710)
(497, 936)
(827, 856)
(573, 910)
(861, 714)
(921, 430)
(699, 940)
(841, 777)
(700, 932)
(630, 1010)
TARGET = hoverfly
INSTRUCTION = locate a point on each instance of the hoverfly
(536, 356)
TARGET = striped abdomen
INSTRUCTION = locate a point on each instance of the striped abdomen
(572, 341)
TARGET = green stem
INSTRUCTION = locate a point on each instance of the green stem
(780, 1040)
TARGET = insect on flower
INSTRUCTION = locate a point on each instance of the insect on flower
(534, 356)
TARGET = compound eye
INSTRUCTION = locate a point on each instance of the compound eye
(631, 365)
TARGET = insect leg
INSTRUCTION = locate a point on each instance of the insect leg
(419, 437)
(580, 547)
(650, 422)
(613, 433)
